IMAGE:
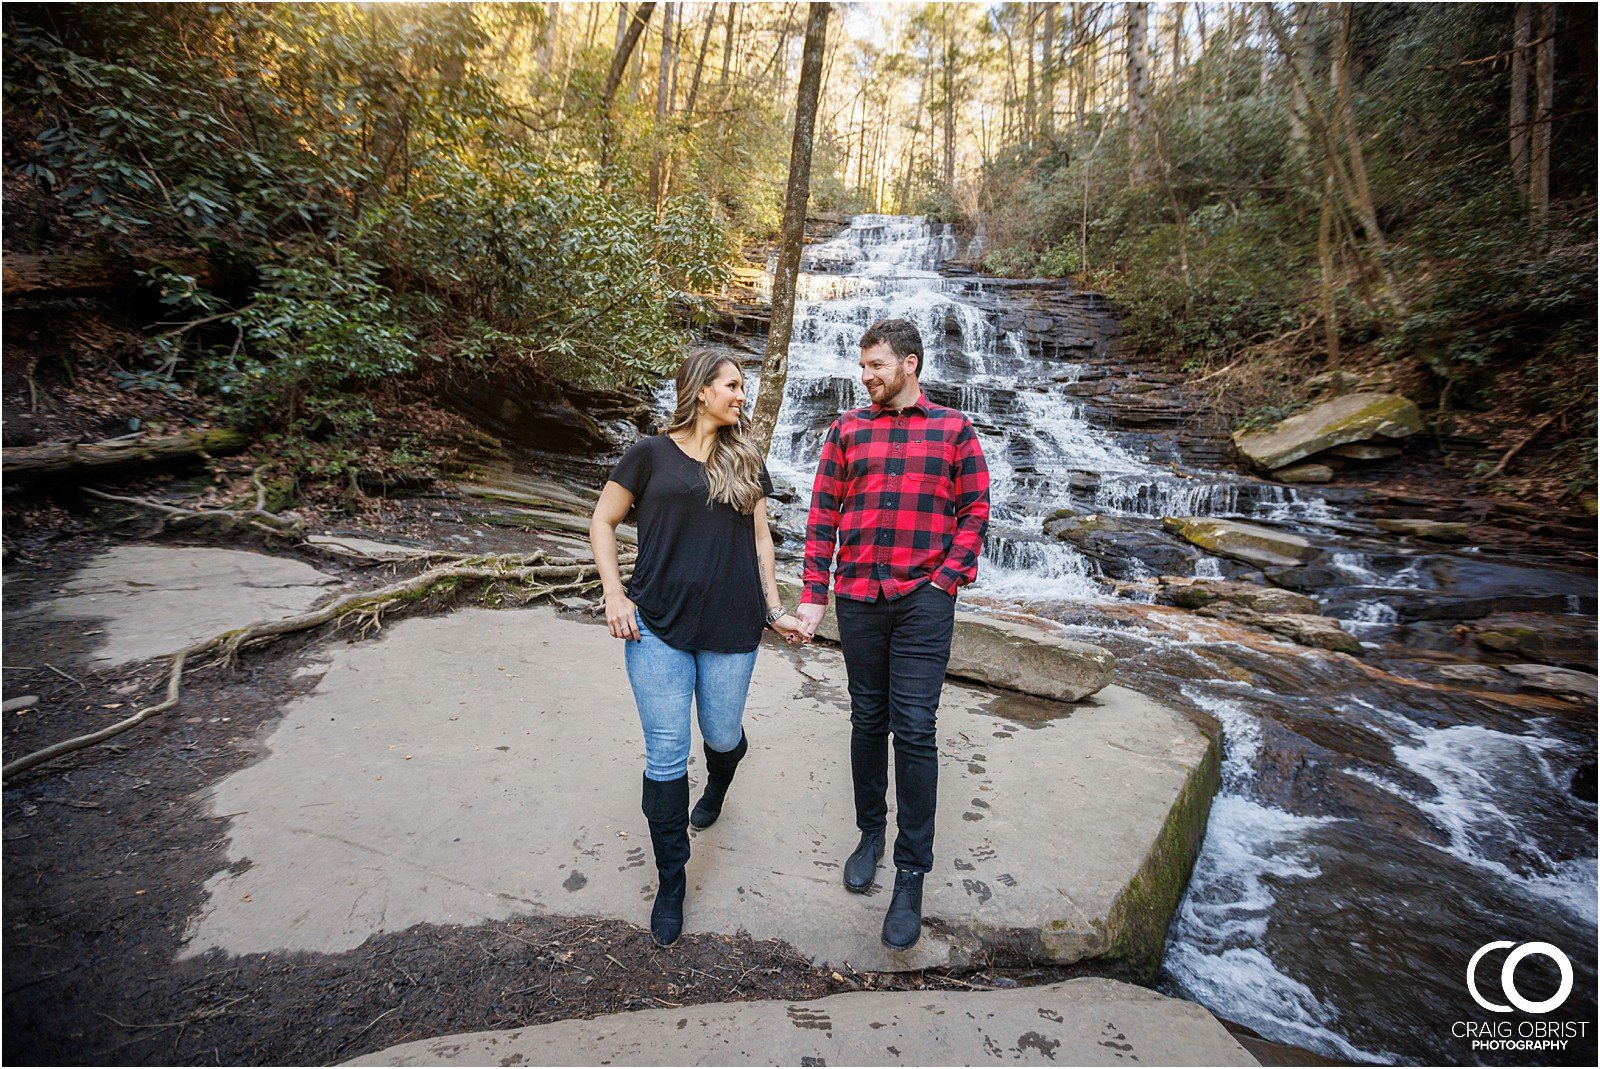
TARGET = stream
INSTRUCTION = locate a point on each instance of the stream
(1378, 821)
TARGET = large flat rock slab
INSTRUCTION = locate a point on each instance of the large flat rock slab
(486, 763)
(155, 600)
(1078, 1022)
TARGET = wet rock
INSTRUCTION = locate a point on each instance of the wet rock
(1567, 641)
(1355, 417)
(1304, 473)
(1436, 530)
(1083, 481)
(1198, 593)
(1318, 632)
(1555, 680)
(1480, 675)
(1126, 548)
(1251, 543)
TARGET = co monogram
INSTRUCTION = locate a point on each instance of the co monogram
(1508, 977)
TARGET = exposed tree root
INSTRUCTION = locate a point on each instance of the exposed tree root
(257, 518)
(526, 577)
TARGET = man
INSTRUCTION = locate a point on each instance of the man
(902, 492)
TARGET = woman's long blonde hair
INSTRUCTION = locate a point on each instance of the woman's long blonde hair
(733, 470)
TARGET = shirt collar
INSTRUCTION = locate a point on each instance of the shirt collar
(920, 404)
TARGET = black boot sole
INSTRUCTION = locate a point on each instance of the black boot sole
(908, 946)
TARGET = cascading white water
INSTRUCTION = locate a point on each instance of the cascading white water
(1229, 945)
(1034, 436)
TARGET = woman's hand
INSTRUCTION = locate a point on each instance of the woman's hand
(791, 630)
(620, 619)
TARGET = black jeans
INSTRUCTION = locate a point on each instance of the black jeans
(895, 653)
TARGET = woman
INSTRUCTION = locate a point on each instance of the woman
(704, 585)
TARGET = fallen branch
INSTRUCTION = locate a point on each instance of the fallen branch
(532, 572)
(1538, 429)
(258, 517)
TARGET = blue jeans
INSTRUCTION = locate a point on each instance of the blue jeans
(665, 680)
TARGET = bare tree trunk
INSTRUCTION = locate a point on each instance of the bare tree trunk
(1138, 93)
(727, 49)
(1047, 95)
(1080, 73)
(1345, 118)
(699, 64)
(1544, 77)
(775, 362)
(1028, 114)
(1264, 72)
(1299, 103)
(949, 76)
(1330, 311)
(658, 165)
(1522, 36)
(916, 134)
(619, 67)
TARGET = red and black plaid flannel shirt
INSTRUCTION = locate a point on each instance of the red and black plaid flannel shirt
(904, 495)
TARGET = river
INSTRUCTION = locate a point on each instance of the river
(1377, 822)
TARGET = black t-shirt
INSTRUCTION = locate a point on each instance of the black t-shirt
(696, 580)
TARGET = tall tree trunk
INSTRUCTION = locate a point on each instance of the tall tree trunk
(658, 157)
(1047, 93)
(1544, 76)
(1029, 116)
(1345, 116)
(775, 362)
(1522, 36)
(619, 67)
(948, 74)
(1138, 94)
(1299, 102)
(1080, 73)
(1330, 310)
(699, 64)
(727, 49)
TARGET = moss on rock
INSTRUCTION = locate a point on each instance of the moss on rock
(1136, 930)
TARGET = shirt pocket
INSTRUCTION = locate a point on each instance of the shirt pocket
(928, 459)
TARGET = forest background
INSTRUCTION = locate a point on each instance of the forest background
(327, 212)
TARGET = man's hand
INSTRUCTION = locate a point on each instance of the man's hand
(810, 619)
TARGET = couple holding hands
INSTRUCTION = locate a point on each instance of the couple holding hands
(901, 498)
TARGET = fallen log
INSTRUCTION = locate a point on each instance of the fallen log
(89, 459)
(83, 274)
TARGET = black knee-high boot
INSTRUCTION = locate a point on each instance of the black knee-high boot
(719, 774)
(666, 808)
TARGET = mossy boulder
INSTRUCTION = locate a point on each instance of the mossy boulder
(1356, 417)
(1547, 638)
(1251, 543)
